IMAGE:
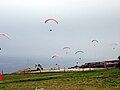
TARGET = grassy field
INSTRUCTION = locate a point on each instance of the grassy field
(107, 79)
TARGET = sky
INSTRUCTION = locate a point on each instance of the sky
(80, 22)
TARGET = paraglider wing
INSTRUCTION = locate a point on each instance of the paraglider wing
(79, 52)
(66, 47)
(3, 34)
(95, 41)
(51, 20)
(54, 56)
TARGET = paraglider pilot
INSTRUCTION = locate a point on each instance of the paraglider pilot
(50, 29)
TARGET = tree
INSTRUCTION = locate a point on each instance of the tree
(40, 66)
(119, 57)
(119, 62)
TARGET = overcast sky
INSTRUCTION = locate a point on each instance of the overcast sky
(80, 21)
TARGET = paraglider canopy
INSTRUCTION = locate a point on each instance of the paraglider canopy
(66, 47)
(51, 19)
(55, 56)
(95, 41)
(79, 52)
(3, 34)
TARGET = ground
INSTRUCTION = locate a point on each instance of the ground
(107, 79)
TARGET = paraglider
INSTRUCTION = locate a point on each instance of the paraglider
(56, 64)
(114, 45)
(95, 42)
(55, 56)
(3, 34)
(66, 48)
(79, 52)
(51, 19)
(77, 62)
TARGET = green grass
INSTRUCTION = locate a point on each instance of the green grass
(107, 79)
